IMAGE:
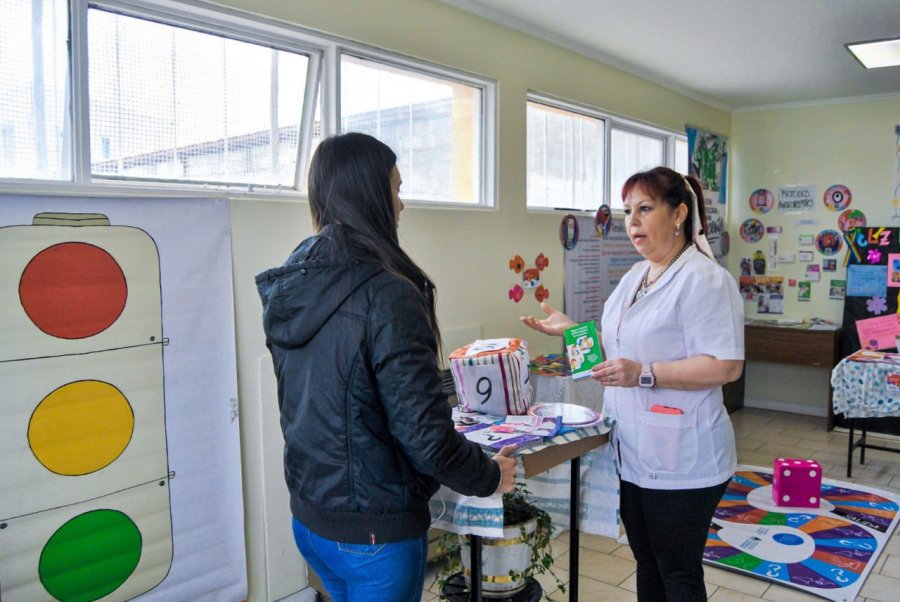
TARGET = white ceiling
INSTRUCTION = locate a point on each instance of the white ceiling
(733, 54)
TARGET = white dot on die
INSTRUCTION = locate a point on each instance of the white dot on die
(787, 472)
(785, 498)
(812, 473)
(812, 500)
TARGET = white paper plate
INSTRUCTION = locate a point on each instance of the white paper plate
(572, 415)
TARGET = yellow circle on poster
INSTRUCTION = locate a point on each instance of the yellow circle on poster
(81, 427)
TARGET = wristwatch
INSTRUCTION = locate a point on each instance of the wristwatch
(647, 378)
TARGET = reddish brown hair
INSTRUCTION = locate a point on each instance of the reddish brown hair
(670, 187)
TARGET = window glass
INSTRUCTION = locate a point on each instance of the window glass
(565, 159)
(631, 152)
(174, 104)
(681, 155)
(433, 124)
(34, 116)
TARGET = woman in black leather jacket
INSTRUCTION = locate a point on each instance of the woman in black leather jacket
(350, 322)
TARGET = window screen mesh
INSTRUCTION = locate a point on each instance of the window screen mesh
(34, 134)
(565, 159)
(631, 152)
(174, 104)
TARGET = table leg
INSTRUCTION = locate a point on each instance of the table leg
(862, 444)
(475, 575)
(850, 450)
(574, 545)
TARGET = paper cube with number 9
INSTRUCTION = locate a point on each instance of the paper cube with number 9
(491, 377)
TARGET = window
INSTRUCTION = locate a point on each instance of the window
(565, 158)
(631, 151)
(579, 158)
(168, 103)
(681, 155)
(34, 63)
(434, 124)
(188, 96)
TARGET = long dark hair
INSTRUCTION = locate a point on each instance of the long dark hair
(670, 187)
(350, 186)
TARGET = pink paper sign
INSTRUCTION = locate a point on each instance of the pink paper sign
(894, 269)
(879, 333)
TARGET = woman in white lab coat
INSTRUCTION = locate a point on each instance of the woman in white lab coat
(673, 334)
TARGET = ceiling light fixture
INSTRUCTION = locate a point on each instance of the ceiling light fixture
(876, 53)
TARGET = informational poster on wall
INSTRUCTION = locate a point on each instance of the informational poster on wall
(119, 439)
(708, 162)
(594, 267)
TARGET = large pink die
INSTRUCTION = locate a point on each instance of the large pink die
(796, 482)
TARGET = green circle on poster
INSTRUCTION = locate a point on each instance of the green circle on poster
(90, 556)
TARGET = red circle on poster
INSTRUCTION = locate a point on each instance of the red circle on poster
(73, 290)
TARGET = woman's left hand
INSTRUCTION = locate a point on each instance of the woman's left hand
(617, 372)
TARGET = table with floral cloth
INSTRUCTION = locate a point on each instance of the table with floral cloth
(866, 385)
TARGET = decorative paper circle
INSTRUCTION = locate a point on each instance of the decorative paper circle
(828, 242)
(761, 200)
(725, 243)
(568, 231)
(752, 230)
(851, 218)
(837, 197)
(603, 220)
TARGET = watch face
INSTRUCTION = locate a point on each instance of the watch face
(646, 380)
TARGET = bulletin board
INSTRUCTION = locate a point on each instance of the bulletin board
(873, 293)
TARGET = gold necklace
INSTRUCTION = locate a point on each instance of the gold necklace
(646, 282)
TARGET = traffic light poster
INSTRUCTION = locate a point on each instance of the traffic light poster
(119, 443)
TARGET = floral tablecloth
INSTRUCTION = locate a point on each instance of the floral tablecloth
(867, 385)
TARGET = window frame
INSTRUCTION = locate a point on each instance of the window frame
(322, 87)
(487, 140)
(611, 121)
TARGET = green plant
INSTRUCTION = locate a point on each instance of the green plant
(517, 510)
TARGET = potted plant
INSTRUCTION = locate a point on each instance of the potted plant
(507, 562)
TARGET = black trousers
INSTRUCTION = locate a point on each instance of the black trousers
(667, 531)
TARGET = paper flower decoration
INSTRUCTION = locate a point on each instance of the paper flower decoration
(531, 278)
(874, 256)
(876, 305)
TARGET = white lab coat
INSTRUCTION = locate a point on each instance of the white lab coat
(694, 309)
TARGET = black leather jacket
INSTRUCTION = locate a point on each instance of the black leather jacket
(368, 434)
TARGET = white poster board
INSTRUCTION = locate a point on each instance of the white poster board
(121, 317)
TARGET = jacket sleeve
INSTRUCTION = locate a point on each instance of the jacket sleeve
(419, 416)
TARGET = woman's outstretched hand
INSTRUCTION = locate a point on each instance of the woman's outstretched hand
(554, 324)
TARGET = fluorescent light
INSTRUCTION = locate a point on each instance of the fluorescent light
(877, 53)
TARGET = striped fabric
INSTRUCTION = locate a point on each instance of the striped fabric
(493, 382)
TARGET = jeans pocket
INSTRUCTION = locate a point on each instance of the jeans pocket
(360, 549)
(668, 442)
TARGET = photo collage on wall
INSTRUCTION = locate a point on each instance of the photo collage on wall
(760, 279)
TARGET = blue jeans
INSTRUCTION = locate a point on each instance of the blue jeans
(351, 572)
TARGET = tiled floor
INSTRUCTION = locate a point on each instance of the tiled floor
(607, 568)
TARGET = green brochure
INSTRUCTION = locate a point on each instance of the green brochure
(583, 349)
